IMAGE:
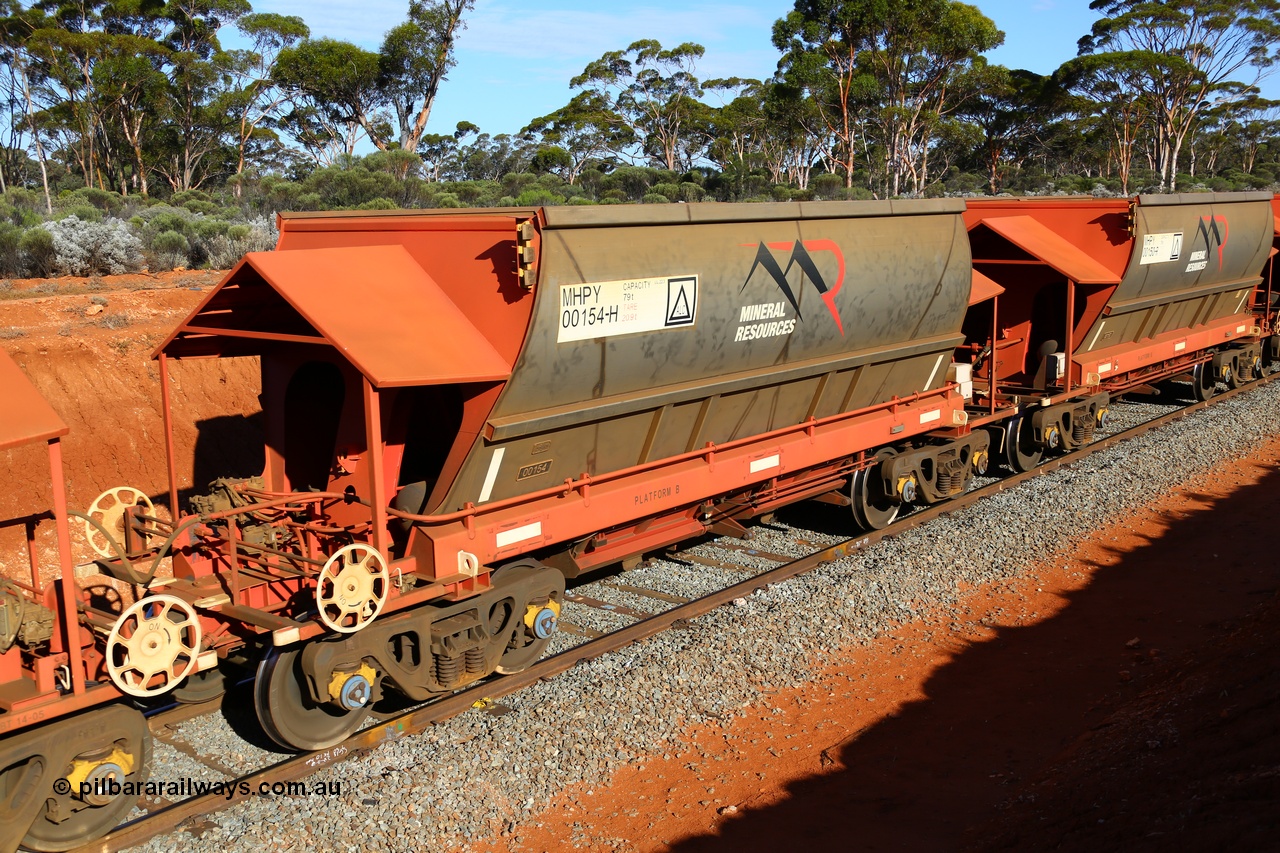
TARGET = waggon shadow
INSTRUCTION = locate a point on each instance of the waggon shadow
(945, 772)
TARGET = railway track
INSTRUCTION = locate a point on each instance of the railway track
(758, 567)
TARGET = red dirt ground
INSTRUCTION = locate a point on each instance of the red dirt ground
(93, 363)
(1125, 697)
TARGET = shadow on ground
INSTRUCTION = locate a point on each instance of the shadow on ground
(1011, 719)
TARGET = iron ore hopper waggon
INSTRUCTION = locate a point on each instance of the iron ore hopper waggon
(463, 409)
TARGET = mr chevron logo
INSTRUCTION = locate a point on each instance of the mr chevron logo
(1213, 237)
(801, 257)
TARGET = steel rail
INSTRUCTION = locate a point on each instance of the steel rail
(171, 817)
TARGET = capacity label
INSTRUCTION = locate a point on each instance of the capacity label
(1161, 248)
(598, 309)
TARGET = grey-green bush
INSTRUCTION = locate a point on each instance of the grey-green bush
(85, 248)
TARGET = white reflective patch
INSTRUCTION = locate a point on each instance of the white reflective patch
(928, 417)
(1179, 346)
(1240, 329)
(491, 476)
(937, 365)
(1105, 367)
(758, 465)
(519, 534)
(1094, 340)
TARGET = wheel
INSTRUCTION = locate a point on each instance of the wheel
(108, 509)
(524, 622)
(1243, 371)
(201, 687)
(153, 645)
(352, 588)
(1266, 365)
(1020, 451)
(1204, 384)
(109, 745)
(287, 712)
(872, 508)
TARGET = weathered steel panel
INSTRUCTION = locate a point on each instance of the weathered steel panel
(1194, 258)
(1222, 240)
(706, 331)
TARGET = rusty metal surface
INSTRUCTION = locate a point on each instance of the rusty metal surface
(374, 304)
(25, 416)
(1033, 237)
(983, 289)
(770, 315)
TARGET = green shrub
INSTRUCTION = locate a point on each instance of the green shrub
(39, 258)
(104, 200)
(378, 204)
(827, 186)
(83, 212)
(655, 198)
(670, 191)
(691, 192)
(10, 254)
(536, 196)
(205, 228)
(169, 249)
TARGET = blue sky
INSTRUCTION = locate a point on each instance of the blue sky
(515, 58)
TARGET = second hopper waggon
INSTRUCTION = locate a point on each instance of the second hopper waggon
(1097, 297)
(462, 409)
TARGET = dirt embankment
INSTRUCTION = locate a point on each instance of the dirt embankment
(87, 346)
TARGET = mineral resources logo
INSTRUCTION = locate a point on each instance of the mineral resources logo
(769, 319)
(1214, 237)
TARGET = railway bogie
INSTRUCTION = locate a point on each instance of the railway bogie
(462, 409)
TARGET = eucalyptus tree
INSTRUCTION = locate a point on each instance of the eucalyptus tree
(1113, 87)
(655, 95)
(332, 87)
(16, 28)
(130, 84)
(415, 58)
(196, 123)
(587, 129)
(1009, 112)
(439, 151)
(1189, 53)
(253, 98)
(891, 70)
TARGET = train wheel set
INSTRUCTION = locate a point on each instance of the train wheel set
(463, 409)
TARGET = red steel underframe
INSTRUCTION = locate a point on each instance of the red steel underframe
(1126, 365)
(504, 530)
